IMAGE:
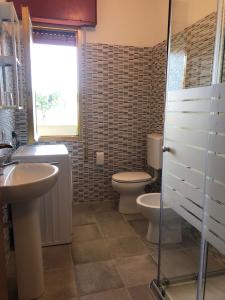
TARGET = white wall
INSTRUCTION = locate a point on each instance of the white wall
(143, 23)
(140, 23)
(187, 12)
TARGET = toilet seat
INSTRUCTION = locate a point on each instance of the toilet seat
(131, 177)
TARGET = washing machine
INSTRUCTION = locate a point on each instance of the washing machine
(56, 205)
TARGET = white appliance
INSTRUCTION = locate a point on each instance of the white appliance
(56, 205)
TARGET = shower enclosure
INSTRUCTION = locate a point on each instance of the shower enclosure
(193, 179)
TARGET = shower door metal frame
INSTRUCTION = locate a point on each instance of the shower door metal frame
(161, 202)
(216, 78)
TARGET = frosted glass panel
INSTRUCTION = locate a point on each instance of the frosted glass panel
(214, 229)
(193, 171)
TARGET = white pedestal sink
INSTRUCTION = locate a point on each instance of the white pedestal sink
(21, 185)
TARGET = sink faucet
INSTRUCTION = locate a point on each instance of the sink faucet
(2, 164)
(5, 146)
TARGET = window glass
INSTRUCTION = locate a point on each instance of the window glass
(54, 76)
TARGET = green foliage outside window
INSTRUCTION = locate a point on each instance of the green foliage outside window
(46, 102)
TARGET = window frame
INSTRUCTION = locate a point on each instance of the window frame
(31, 115)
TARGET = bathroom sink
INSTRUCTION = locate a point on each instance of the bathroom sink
(26, 181)
(21, 185)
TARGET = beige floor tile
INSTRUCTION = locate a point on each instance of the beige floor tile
(58, 298)
(126, 246)
(96, 277)
(136, 270)
(108, 217)
(140, 292)
(153, 249)
(81, 207)
(57, 257)
(116, 294)
(185, 291)
(60, 284)
(132, 217)
(83, 218)
(86, 233)
(140, 226)
(104, 206)
(215, 289)
(191, 237)
(90, 252)
(116, 229)
(213, 261)
(177, 262)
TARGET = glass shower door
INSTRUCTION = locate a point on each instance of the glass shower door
(213, 229)
(187, 114)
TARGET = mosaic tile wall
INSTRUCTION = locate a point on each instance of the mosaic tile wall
(7, 125)
(123, 100)
(158, 86)
(21, 115)
(193, 51)
(117, 92)
(116, 95)
(158, 66)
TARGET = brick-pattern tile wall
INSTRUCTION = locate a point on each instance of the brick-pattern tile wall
(200, 42)
(116, 104)
(122, 92)
(196, 43)
(116, 97)
(158, 87)
(7, 124)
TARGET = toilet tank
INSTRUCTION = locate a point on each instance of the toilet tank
(154, 150)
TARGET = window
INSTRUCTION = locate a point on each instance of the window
(55, 83)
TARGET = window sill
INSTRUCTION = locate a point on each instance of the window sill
(60, 138)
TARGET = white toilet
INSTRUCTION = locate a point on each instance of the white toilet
(132, 184)
(149, 206)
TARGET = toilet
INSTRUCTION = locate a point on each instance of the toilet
(132, 184)
(149, 206)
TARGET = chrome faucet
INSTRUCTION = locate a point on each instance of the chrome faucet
(5, 146)
(3, 164)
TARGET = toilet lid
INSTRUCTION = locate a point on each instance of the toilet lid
(131, 177)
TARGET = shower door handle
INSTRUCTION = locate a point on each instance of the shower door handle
(165, 149)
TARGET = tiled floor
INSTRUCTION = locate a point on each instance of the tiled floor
(215, 289)
(108, 258)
